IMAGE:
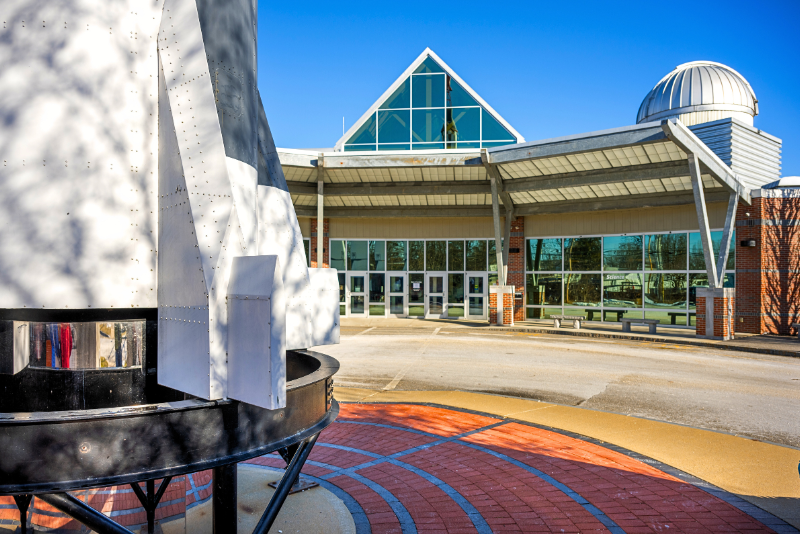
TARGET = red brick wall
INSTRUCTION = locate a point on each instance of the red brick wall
(313, 245)
(516, 265)
(508, 300)
(768, 275)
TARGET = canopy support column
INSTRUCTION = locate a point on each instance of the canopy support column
(320, 211)
(702, 220)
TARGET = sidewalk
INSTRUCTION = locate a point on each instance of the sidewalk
(581, 444)
(761, 344)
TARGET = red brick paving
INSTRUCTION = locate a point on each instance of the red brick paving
(638, 497)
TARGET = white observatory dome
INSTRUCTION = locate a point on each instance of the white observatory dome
(700, 91)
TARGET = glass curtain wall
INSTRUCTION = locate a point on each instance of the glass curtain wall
(379, 259)
(429, 110)
(652, 276)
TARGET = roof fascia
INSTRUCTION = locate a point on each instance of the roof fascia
(386, 94)
(638, 134)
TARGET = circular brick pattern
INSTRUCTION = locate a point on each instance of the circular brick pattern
(403, 468)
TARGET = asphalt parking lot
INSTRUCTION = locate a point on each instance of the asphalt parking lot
(746, 394)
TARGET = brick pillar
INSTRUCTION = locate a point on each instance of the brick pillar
(715, 313)
(326, 253)
(508, 304)
(768, 273)
(516, 265)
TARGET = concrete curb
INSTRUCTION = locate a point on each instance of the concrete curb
(679, 341)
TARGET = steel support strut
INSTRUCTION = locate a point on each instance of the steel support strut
(224, 499)
(23, 501)
(84, 513)
(151, 499)
(282, 491)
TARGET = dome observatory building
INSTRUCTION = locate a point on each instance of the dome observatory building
(432, 205)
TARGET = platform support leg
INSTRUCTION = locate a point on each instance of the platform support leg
(224, 501)
(282, 491)
(150, 499)
(23, 501)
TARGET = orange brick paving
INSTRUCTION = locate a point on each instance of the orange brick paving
(622, 494)
(502, 476)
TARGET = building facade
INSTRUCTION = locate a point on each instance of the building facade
(416, 202)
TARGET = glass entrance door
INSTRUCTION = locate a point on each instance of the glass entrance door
(398, 301)
(476, 299)
(416, 294)
(357, 294)
(377, 294)
(435, 305)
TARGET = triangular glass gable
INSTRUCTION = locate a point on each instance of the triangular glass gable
(429, 110)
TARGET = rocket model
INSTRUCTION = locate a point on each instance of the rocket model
(139, 175)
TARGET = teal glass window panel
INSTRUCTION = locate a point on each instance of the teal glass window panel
(457, 95)
(356, 284)
(427, 126)
(697, 280)
(622, 253)
(365, 134)
(306, 246)
(463, 144)
(582, 289)
(543, 255)
(476, 305)
(396, 305)
(665, 290)
(396, 284)
(416, 288)
(428, 66)
(357, 255)
(377, 255)
(428, 146)
(357, 304)
(616, 316)
(697, 260)
(427, 91)
(436, 284)
(416, 255)
(395, 255)
(582, 254)
(492, 130)
(377, 287)
(676, 317)
(492, 255)
(394, 126)
(463, 124)
(622, 290)
(342, 285)
(455, 255)
(401, 98)
(665, 252)
(455, 288)
(476, 255)
(436, 255)
(359, 148)
(338, 255)
(543, 289)
(475, 284)
(394, 146)
(497, 143)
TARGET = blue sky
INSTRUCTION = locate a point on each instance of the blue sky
(549, 69)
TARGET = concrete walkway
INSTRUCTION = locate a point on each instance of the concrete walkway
(733, 469)
(761, 344)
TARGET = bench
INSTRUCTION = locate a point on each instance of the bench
(796, 326)
(576, 320)
(651, 323)
(675, 315)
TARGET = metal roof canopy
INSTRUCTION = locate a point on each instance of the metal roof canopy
(635, 166)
